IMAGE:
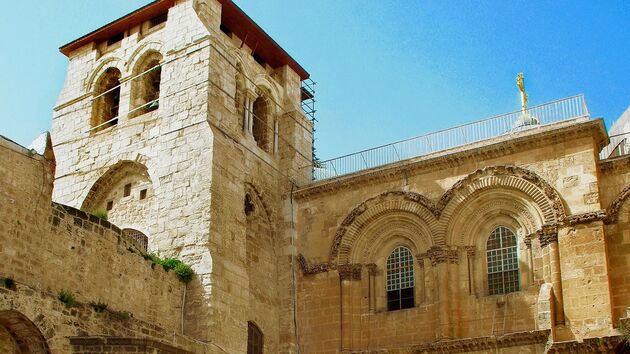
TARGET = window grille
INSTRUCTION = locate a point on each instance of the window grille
(400, 279)
(502, 258)
(254, 339)
(141, 240)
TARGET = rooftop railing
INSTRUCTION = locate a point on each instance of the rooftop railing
(619, 146)
(552, 112)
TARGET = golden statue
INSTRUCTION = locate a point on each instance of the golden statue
(520, 82)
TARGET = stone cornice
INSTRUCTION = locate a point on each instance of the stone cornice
(585, 218)
(479, 151)
(440, 254)
(588, 345)
(479, 344)
(547, 234)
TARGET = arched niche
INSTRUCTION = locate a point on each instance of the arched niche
(19, 335)
(125, 191)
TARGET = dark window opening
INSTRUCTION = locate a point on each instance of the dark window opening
(110, 205)
(225, 30)
(115, 39)
(107, 102)
(145, 88)
(159, 19)
(249, 205)
(127, 190)
(143, 194)
(254, 339)
(400, 299)
(259, 59)
(502, 262)
(260, 128)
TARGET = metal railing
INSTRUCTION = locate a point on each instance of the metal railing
(619, 146)
(552, 112)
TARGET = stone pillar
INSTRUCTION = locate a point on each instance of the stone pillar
(548, 237)
(471, 251)
(371, 287)
(440, 257)
(347, 274)
(530, 259)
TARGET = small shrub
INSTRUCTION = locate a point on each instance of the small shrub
(171, 263)
(8, 283)
(184, 272)
(625, 332)
(123, 315)
(100, 213)
(66, 297)
(98, 306)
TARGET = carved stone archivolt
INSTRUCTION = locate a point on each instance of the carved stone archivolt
(612, 212)
(541, 193)
(311, 269)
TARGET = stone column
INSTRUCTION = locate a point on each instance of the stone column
(371, 287)
(471, 251)
(440, 257)
(347, 273)
(530, 259)
(548, 237)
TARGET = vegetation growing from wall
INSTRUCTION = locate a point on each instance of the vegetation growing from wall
(67, 298)
(184, 271)
(100, 213)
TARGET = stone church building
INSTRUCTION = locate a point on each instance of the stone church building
(186, 124)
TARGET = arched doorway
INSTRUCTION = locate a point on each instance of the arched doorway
(18, 335)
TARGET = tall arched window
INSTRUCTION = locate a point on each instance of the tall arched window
(400, 279)
(502, 258)
(145, 89)
(260, 128)
(105, 106)
(254, 339)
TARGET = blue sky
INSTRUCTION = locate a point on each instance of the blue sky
(385, 70)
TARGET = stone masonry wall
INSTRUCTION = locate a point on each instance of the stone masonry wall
(54, 247)
(346, 318)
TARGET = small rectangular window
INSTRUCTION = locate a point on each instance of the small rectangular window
(159, 19)
(127, 191)
(110, 205)
(143, 194)
(115, 39)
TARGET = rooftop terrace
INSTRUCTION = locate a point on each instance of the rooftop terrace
(565, 109)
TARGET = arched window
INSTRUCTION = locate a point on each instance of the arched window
(145, 89)
(502, 258)
(254, 339)
(105, 106)
(260, 128)
(400, 279)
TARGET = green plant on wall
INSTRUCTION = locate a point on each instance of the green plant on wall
(183, 271)
(98, 306)
(100, 213)
(66, 297)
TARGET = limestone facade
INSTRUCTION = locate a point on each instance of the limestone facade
(188, 132)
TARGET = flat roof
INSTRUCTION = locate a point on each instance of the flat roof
(232, 17)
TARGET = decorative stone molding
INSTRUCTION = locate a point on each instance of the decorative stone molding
(419, 201)
(547, 234)
(612, 212)
(470, 250)
(507, 170)
(588, 345)
(482, 344)
(528, 239)
(441, 254)
(585, 218)
(545, 196)
(350, 271)
(372, 268)
(311, 269)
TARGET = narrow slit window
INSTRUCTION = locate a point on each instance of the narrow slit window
(400, 280)
(143, 194)
(127, 190)
(254, 339)
(110, 205)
